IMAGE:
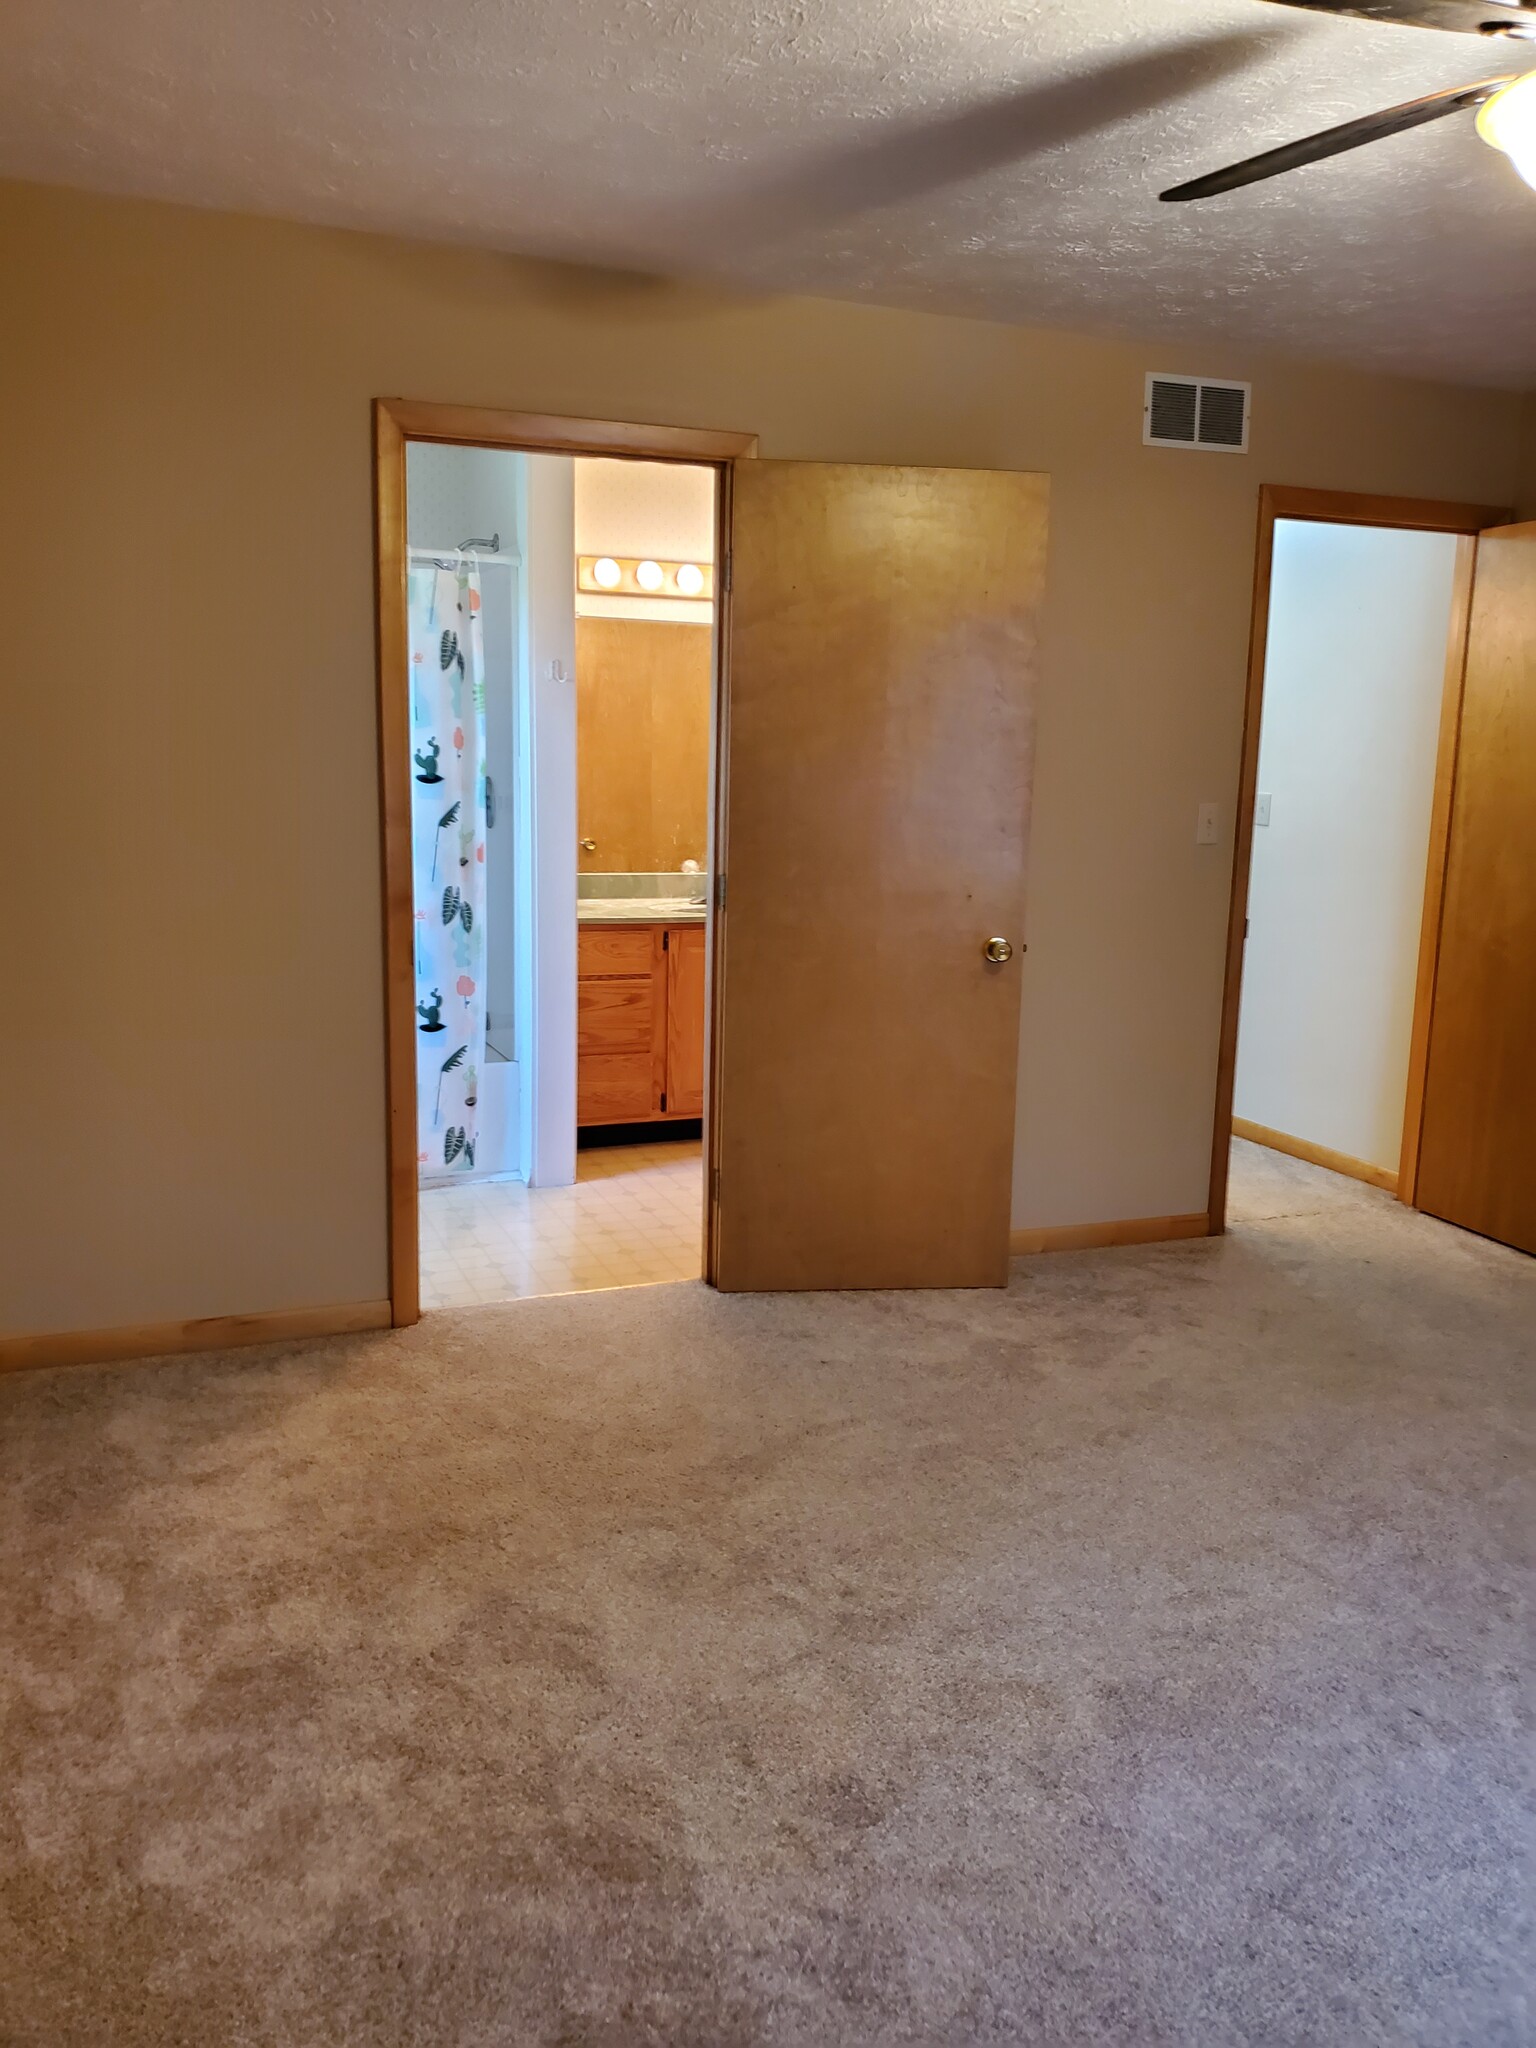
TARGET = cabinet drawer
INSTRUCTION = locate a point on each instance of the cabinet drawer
(613, 949)
(614, 1087)
(615, 1016)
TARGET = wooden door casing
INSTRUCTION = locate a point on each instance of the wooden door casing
(1477, 1140)
(881, 636)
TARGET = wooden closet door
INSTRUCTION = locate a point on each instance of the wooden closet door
(1477, 1148)
(881, 657)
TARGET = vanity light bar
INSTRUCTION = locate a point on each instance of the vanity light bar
(642, 576)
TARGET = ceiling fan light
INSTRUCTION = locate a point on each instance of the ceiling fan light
(1508, 122)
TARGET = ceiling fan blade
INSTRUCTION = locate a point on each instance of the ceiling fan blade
(1469, 17)
(1312, 149)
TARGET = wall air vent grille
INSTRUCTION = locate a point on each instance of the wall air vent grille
(1195, 412)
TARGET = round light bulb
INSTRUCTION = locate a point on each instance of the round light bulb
(607, 573)
(1508, 122)
(690, 579)
(648, 575)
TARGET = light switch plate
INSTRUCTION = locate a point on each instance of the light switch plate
(1207, 825)
(1261, 810)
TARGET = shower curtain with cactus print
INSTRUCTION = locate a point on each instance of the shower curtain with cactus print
(448, 852)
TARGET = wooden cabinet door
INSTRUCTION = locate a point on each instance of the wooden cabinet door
(1477, 1142)
(685, 1020)
(621, 1022)
(880, 639)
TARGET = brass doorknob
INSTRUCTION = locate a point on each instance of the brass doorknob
(998, 950)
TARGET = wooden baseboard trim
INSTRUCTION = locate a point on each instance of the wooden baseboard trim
(1082, 1237)
(1315, 1155)
(206, 1333)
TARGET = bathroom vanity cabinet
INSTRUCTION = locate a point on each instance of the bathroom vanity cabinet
(640, 1022)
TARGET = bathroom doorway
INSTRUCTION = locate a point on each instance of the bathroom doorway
(863, 967)
(562, 627)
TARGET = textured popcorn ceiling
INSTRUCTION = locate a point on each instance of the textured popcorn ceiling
(1000, 157)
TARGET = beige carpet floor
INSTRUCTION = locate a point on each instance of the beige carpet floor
(1131, 1657)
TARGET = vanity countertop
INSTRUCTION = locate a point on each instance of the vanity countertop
(639, 910)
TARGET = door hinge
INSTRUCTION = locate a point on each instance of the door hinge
(666, 942)
(725, 572)
(714, 1184)
(663, 1098)
(720, 892)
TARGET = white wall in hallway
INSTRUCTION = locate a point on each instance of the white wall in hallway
(1354, 673)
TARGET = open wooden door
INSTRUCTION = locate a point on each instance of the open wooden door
(880, 638)
(1477, 1146)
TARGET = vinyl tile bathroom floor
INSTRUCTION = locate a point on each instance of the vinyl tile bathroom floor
(634, 1216)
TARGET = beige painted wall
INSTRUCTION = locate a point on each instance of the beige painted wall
(191, 1117)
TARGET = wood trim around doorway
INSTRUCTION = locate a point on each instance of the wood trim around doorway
(547, 433)
(1083, 1237)
(1340, 508)
(1316, 1155)
(199, 1333)
(395, 422)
